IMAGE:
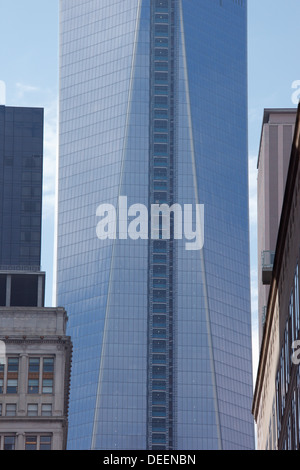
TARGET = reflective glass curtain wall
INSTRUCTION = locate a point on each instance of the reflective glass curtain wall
(153, 106)
(21, 174)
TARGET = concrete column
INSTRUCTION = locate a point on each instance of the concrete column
(20, 441)
(59, 376)
(57, 440)
(23, 384)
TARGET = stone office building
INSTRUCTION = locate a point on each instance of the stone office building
(34, 378)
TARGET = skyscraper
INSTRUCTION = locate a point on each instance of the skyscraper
(21, 174)
(153, 108)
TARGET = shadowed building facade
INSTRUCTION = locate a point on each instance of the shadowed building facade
(153, 106)
(273, 161)
(276, 403)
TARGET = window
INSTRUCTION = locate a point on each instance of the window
(11, 409)
(33, 386)
(31, 443)
(0, 409)
(47, 410)
(47, 386)
(33, 375)
(161, 52)
(45, 443)
(48, 371)
(12, 375)
(32, 410)
(158, 398)
(13, 364)
(35, 378)
(38, 442)
(158, 424)
(9, 442)
(48, 365)
(12, 386)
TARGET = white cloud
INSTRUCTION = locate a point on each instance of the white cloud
(22, 89)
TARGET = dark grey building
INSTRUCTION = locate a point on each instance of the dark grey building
(21, 170)
(21, 166)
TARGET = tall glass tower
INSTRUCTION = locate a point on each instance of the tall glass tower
(153, 107)
(21, 175)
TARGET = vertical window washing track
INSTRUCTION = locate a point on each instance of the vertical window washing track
(161, 251)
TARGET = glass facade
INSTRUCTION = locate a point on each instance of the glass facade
(21, 166)
(153, 106)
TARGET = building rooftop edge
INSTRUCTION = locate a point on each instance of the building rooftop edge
(266, 116)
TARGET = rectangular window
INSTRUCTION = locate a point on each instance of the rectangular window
(161, 4)
(11, 410)
(159, 411)
(158, 398)
(45, 442)
(161, 18)
(159, 424)
(159, 52)
(47, 386)
(162, 29)
(32, 409)
(48, 375)
(12, 375)
(13, 364)
(9, 442)
(161, 100)
(12, 386)
(161, 77)
(47, 410)
(33, 386)
(31, 443)
(48, 365)
(33, 375)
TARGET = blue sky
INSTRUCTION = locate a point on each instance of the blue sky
(29, 68)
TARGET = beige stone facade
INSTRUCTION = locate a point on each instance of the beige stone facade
(35, 378)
